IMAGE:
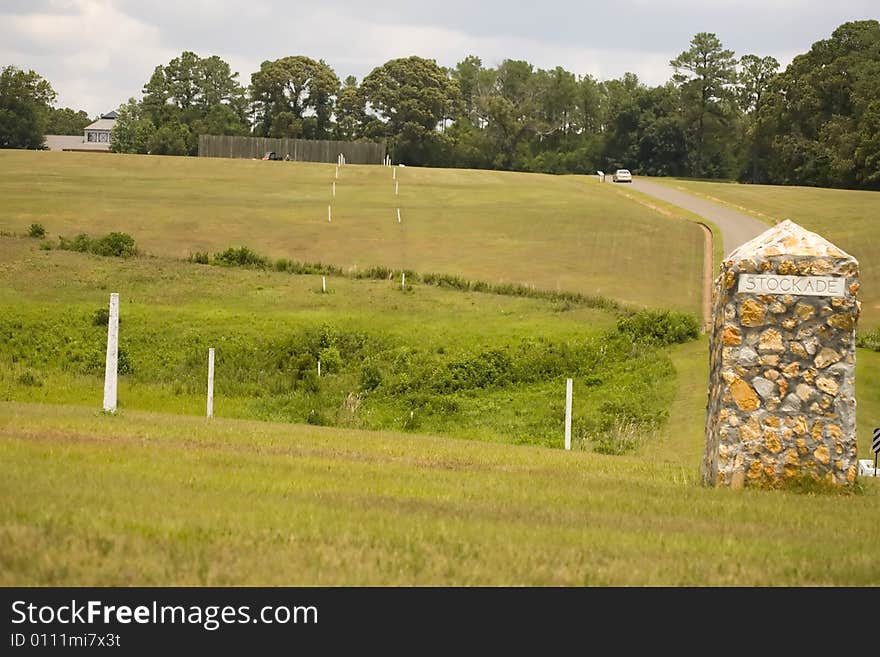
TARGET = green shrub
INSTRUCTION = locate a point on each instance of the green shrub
(869, 340)
(119, 245)
(36, 231)
(331, 360)
(45, 245)
(241, 257)
(81, 243)
(371, 376)
(659, 327)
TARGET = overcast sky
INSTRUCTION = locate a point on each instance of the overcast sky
(98, 53)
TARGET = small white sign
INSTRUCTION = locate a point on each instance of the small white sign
(805, 286)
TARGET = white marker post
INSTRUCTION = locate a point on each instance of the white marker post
(337, 171)
(328, 213)
(394, 173)
(110, 369)
(568, 414)
(323, 284)
(319, 369)
(398, 215)
(334, 189)
(211, 382)
(402, 280)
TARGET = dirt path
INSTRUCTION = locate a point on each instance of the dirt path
(736, 227)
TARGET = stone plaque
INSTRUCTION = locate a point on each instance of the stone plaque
(782, 363)
(805, 286)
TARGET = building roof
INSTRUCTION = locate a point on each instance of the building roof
(74, 143)
(110, 115)
(102, 124)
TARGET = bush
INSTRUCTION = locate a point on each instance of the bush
(241, 257)
(869, 340)
(331, 360)
(81, 243)
(199, 257)
(659, 327)
(36, 231)
(371, 376)
(119, 245)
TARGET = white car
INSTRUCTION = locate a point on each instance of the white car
(622, 175)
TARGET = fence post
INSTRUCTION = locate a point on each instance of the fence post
(111, 366)
(568, 414)
(211, 382)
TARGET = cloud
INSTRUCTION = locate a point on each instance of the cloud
(94, 55)
(97, 53)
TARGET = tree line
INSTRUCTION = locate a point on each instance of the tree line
(719, 116)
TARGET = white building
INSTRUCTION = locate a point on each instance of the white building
(96, 137)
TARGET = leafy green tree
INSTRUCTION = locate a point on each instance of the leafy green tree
(201, 94)
(406, 100)
(25, 105)
(620, 124)
(705, 74)
(510, 111)
(285, 91)
(756, 77)
(350, 112)
(133, 131)
(171, 138)
(557, 95)
(471, 77)
(822, 112)
(65, 121)
(588, 105)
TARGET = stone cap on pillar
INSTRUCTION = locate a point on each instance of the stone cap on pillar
(787, 239)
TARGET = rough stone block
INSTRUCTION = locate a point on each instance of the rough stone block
(787, 300)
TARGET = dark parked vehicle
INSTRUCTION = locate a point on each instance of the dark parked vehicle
(270, 156)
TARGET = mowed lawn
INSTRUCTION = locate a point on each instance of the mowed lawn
(152, 499)
(850, 219)
(551, 232)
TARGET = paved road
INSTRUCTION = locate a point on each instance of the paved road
(736, 227)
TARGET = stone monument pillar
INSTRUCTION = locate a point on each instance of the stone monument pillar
(782, 363)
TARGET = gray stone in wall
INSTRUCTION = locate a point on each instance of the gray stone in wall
(782, 363)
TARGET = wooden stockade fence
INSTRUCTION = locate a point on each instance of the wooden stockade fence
(299, 150)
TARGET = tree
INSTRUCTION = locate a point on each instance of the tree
(822, 111)
(755, 78)
(132, 132)
(510, 111)
(65, 121)
(350, 112)
(469, 74)
(705, 73)
(201, 94)
(288, 92)
(25, 104)
(557, 93)
(406, 100)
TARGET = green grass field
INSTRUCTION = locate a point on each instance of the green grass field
(152, 499)
(431, 474)
(552, 232)
(850, 219)
(426, 359)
